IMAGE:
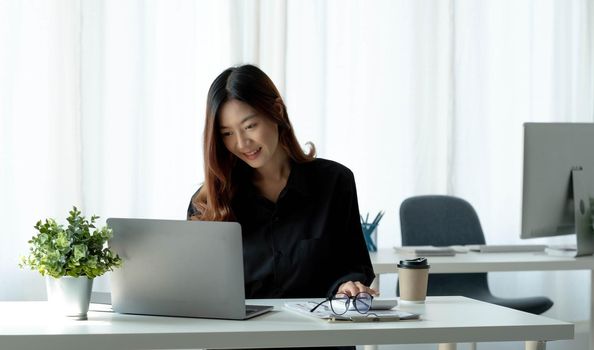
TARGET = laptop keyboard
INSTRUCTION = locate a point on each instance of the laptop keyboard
(250, 309)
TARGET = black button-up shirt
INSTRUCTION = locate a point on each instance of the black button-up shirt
(309, 241)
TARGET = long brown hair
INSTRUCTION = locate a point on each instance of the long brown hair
(250, 85)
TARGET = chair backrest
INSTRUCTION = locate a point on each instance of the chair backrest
(445, 220)
(439, 220)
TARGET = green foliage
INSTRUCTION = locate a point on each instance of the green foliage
(77, 250)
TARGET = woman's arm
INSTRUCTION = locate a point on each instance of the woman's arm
(350, 243)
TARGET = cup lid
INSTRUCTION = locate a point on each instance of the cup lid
(417, 263)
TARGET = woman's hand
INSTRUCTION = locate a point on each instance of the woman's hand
(351, 288)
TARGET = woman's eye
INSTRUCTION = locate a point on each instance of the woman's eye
(226, 133)
(251, 126)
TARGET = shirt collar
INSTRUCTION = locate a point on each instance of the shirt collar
(297, 181)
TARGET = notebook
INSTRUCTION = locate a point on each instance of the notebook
(179, 268)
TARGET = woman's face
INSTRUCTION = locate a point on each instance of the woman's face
(249, 135)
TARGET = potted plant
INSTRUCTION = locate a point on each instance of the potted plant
(71, 258)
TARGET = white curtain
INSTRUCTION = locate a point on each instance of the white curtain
(102, 103)
(40, 148)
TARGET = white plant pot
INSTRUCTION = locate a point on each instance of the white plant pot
(70, 296)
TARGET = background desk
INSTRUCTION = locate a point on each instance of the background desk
(386, 260)
(27, 325)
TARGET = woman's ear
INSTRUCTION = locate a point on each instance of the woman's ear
(279, 106)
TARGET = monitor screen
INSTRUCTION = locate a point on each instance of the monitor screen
(558, 176)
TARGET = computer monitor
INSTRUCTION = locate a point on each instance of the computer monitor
(559, 182)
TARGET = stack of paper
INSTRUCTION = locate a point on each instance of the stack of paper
(562, 250)
(425, 251)
(324, 312)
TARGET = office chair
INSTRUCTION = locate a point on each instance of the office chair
(443, 221)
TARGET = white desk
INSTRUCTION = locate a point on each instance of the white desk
(27, 325)
(386, 260)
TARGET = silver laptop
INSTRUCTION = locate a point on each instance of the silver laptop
(179, 268)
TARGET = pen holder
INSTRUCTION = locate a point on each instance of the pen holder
(370, 234)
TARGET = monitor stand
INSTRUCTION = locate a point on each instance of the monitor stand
(582, 205)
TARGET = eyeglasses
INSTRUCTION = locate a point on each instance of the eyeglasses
(340, 303)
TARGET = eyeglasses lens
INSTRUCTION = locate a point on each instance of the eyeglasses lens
(363, 302)
(340, 303)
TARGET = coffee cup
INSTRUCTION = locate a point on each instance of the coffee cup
(413, 275)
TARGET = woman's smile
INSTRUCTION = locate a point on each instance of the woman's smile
(253, 154)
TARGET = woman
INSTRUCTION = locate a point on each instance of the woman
(299, 215)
